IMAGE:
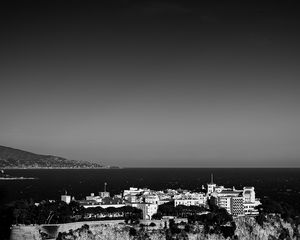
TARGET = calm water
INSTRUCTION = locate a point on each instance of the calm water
(280, 184)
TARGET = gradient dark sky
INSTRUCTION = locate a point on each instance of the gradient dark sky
(153, 83)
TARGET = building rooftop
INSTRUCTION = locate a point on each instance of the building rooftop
(111, 200)
(231, 191)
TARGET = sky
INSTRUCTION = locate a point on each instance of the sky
(152, 83)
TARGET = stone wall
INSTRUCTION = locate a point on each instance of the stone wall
(20, 232)
(114, 227)
(33, 232)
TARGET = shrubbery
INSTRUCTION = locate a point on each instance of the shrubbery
(26, 212)
(168, 209)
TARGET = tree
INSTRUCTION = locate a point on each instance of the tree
(152, 224)
(167, 209)
(173, 227)
(157, 216)
(284, 234)
(260, 219)
(187, 228)
(212, 203)
(132, 232)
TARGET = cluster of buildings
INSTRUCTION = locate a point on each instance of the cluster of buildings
(237, 202)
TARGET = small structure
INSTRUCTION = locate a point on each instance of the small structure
(65, 198)
(104, 193)
(149, 209)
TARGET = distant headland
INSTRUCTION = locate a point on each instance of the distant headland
(5, 176)
(11, 158)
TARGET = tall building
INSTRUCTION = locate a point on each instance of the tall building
(237, 206)
(250, 202)
(236, 202)
(249, 194)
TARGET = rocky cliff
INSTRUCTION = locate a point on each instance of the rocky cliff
(247, 228)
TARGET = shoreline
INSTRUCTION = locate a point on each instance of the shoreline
(57, 168)
(18, 178)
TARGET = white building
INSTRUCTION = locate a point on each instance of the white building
(134, 191)
(230, 192)
(163, 201)
(148, 209)
(188, 202)
(250, 202)
(151, 198)
(232, 204)
(66, 198)
(104, 194)
(224, 202)
(237, 206)
(249, 194)
(190, 199)
(92, 197)
(236, 202)
(250, 208)
(133, 199)
(93, 205)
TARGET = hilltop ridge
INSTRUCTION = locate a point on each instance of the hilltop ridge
(16, 158)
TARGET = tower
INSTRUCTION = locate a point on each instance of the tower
(211, 186)
(104, 193)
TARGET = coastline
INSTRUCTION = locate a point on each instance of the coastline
(58, 168)
(18, 178)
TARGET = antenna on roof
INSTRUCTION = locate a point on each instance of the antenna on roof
(212, 178)
(105, 186)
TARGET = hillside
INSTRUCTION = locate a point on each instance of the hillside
(15, 158)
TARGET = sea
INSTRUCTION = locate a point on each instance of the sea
(280, 184)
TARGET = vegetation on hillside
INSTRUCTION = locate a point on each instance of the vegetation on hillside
(15, 158)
